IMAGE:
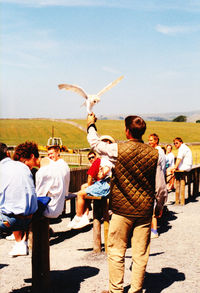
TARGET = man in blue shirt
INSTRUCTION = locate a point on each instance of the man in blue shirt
(18, 200)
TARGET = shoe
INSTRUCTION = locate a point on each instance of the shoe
(73, 222)
(154, 235)
(82, 223)
(20, 248)
(10, 237)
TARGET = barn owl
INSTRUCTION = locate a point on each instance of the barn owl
(90, 100)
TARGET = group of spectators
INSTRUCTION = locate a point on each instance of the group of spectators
(169, 165)
(137, 188)
(21, 186)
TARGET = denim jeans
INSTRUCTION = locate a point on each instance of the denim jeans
(9, 223)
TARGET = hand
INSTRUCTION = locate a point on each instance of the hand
(91, 119)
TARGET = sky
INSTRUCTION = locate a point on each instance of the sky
(89, 43)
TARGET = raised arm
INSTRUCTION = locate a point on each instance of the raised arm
(102, 148)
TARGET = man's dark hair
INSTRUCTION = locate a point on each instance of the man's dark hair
(91, 152)
(179, 139)
(136, 125)
(54, 147)
(155, 136)
(3, 151)
(25, 150)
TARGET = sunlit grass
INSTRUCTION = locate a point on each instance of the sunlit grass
(15, 131)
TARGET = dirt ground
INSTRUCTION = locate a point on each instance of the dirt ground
(173, 267)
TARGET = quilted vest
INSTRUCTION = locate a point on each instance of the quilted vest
(133, 181)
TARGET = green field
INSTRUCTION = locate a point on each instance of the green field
(15, 131)
(167, 131)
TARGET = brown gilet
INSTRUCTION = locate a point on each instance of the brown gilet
(133, 181)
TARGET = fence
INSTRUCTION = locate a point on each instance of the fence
(191, 179)
(40, 246)
(72, 159)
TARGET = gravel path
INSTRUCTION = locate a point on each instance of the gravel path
(173, 267)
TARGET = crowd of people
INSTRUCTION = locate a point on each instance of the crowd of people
(136, 175)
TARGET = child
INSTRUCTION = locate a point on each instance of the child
(98, 185)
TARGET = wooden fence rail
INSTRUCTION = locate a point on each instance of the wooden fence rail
(191, 179)
(79, 159)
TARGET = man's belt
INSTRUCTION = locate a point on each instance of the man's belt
(23, 217)
(19, 216)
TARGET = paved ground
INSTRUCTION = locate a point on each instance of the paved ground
(173, 267)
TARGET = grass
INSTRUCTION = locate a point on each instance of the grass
(15, 131)
(167, 131)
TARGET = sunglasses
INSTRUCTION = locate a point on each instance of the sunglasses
(176, 143)
(90, 158)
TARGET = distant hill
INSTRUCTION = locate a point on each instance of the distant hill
(192, 116)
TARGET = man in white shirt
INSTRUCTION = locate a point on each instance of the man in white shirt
(184, 157)
(52, 180)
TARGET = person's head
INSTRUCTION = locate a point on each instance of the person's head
(153, 140)
(135, 127)
(107, 138)
(28, 154)
(54, 152)
(92, 156)
(3, 151)
(178, 142)
(168, 148)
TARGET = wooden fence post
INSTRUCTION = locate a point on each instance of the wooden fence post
(182, 190)
(105, 208)
(40, 256)
(97, 226)
(177, 200)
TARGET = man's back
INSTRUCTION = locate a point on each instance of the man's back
(53, 180)
(133, 183)
(17, 191)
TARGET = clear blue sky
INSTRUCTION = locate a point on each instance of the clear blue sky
(154, 44)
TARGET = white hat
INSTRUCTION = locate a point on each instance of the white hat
(107, 137)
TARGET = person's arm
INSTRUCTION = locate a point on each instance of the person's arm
(102, 148)
(161, 190)
(103, 171)
(177, 164)
(89, 180)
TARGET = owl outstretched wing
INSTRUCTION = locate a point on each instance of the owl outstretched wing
(74, 88)
(109, 86)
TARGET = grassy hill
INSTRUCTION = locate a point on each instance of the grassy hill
(15, 131)
(167, 131)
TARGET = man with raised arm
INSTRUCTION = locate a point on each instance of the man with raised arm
(137, 180)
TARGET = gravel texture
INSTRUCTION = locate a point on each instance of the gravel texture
(173, 267)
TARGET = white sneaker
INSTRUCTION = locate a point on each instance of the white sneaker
(82, 223)
(20, 248)
(73, 222)
(10, 237)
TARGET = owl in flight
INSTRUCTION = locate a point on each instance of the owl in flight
(90, 100)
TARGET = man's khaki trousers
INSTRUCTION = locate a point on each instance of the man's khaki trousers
(119, 231)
